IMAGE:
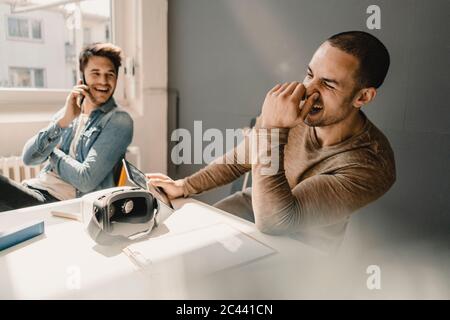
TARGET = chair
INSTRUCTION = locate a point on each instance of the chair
(120, 174)
(122, 178)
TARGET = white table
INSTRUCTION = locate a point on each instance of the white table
(65, 263)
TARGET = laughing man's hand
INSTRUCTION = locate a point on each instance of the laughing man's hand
(283, 107)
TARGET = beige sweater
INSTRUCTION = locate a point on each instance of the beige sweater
(316, 188)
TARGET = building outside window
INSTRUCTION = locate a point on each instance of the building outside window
(39, 47)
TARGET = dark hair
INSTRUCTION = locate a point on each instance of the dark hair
(372, 55)
(107, 50)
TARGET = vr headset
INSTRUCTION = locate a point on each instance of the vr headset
(122, 214)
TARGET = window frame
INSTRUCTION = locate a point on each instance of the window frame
(35, 100)
(140, 28)
(124, 22)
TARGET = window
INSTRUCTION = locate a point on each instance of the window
(18, 27)
(49, 34)
(26, 77)
(38, 78)
(36, 29)
(24, 28)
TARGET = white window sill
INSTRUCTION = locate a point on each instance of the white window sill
(26, 118)
(29, 105)
(32, 96)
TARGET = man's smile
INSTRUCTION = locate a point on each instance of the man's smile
(101, 89)
(316, 109)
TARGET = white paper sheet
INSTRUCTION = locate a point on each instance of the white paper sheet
(201, 251)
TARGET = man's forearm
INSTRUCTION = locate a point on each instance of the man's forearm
(212, 176)
(39, 148)
(272, 199)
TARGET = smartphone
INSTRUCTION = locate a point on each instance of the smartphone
(81, 98)
(138, 178)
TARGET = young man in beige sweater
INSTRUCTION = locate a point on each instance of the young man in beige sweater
(332, 159)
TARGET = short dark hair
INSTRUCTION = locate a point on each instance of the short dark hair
(100, 49)
(372, 54)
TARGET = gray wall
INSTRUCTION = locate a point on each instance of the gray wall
(225, 54)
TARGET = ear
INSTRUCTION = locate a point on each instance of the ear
(364, 96)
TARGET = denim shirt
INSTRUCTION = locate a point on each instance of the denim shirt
(102, 144)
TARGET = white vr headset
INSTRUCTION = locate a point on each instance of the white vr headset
(123, 213)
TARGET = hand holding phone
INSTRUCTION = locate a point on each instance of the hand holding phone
(73, 106)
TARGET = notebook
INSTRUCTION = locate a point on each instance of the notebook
(201, 251)
(20, 233)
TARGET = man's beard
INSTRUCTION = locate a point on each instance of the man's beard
(101, 101)
(325, 121)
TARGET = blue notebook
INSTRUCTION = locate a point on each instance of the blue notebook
(16, 235)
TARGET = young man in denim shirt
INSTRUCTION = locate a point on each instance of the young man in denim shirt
(83, 143)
